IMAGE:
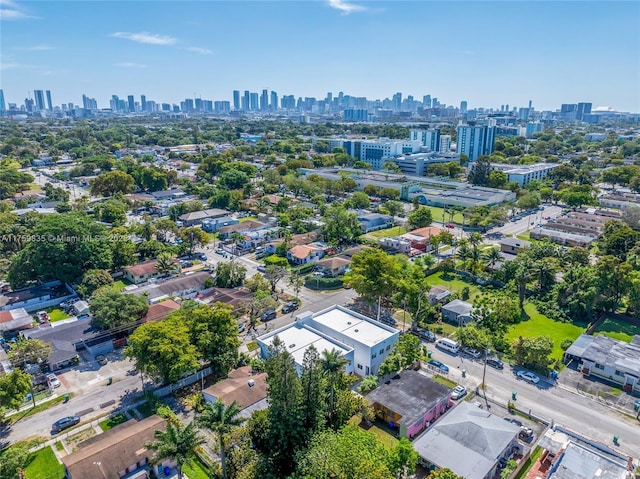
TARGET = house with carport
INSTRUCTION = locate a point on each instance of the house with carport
(410, 402)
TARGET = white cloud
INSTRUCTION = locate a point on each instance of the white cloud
(13, 66)
(202, 51)
(11, 14)
(148, 38)
(345, 7)
(131, 65)
(37, 48)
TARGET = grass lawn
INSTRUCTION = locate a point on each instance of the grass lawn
(531, 460)
(252, 346)
(386, 233)
(57, 315)
(119, 285)
(617, 329)
(540, 325)
(59, 446)
(43, 464)
(14, 418)
(444, 381)
(526, 235)
(436, 213)
(387, 439)
(196, 470)
(248, 218)
(112, 422)
(145, 410)
(454, 283)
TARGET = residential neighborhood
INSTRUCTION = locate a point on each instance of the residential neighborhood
(274, 286)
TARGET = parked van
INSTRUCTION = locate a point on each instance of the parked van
(448, 345)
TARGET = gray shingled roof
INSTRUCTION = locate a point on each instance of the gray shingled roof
(468, 440)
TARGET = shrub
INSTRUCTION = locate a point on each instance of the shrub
(369, 383)
(276, 260)
(465, 293)
(313, 282)
(566, 342)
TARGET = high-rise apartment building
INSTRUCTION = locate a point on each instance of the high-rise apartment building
(445, 144)
(264, 100)
(253, 102)
(426, 101)
(397, 101)
(3, 105)
(474, 141)
(49, 102)
(463, 107)
(143, 102)
(38, 96)
(131, 103)
(246, 99)
(274, 101)
(236, 100)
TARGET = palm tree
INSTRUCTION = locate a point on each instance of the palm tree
(332, 364)
(178, 442)
(464, 252)
(263, 204)
(165, 264)
(475, 239)
(221, 419)
(493, 256)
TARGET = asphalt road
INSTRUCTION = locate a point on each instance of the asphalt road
(547, 401)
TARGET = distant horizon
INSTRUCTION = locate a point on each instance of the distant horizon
(488, 53)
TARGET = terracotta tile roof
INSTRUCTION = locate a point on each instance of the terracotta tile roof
(141, 269)
(426, 232)
(244, 226)
(236, 388)
(161, 310)
(301, 251)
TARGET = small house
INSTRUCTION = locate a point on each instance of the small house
(457, 312)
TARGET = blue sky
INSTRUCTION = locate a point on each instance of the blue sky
(488, 53)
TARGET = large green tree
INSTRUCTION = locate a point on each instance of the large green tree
(13, 389)
(111, 308)
(420, 217)
(214, 333)
(64, 246)
(374, 274)
(340, 226)
(163, 350)
(112, 182)
(93, 280)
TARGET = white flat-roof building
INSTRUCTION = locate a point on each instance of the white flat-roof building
(364, 342)
(523, 174)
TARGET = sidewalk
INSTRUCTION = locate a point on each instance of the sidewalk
(31, 406)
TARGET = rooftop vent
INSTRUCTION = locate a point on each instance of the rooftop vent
(251, 383)
(356, 330)
(292, 346)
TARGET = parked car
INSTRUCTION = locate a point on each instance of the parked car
(438, 365)
(64, 423)
(219, 250)
(101, 359)
(241, 327)
(528, 376)
(289, 307)
(426, 335)
(262, 268)
(458, 392)
(269, 315)
(201, 257)
(450, 225)
(53, 380)
(495, 363)
(474, 353)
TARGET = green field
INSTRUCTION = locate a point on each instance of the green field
(386, 233)
(436, 213)
(248, 218)
(540, 325)
(43, 464)
(112, 422)
(454, 283)
(617, 329)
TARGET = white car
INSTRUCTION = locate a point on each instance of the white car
(53, 380)
(458, 392)
(529, 377)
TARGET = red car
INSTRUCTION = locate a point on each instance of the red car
(450, 225)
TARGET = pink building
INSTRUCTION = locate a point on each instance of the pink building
(410, 402)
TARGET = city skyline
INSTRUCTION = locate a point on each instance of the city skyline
(373, 49)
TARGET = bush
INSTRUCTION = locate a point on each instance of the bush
(465, 293)
(276, 260)
(369, 383)
(313, 282)
(566, 342)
